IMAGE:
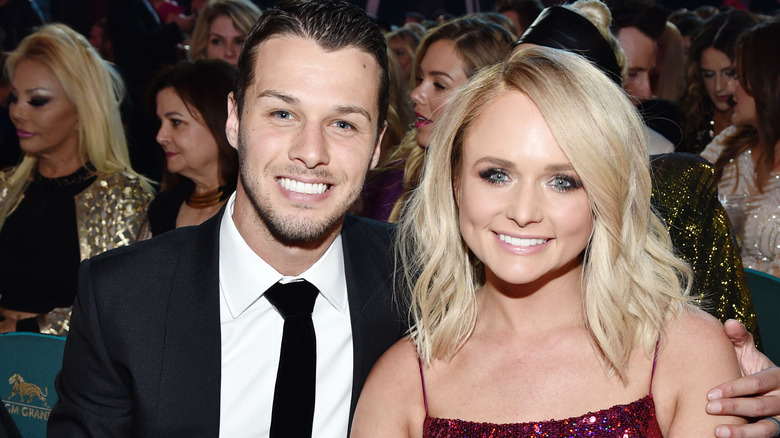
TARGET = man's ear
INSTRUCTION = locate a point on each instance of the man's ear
(231, 126)
(378, 146)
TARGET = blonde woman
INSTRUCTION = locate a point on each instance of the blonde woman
(549, 301)
(446, 58)
(74, 194)
(221, 28)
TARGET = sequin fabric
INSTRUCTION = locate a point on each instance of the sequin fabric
(109, 214)
(761, 245)
(632, 420)
(686, 197)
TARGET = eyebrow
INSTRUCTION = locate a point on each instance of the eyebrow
(290, 100)
(557, 167)
(439, 73)
(353, 109)
(286, 98)
(173, 113)
(32, 90)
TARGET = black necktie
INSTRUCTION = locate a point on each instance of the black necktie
(293, 409)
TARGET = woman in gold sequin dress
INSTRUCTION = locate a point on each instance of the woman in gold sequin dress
(747, 155)
(74, 194)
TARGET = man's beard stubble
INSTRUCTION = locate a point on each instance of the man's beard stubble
(290, 230)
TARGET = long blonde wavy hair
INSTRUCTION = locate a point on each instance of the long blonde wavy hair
(94, 88)
(632, 281)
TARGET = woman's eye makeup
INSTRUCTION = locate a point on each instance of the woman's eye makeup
(494, 175)
(564, 183)
(34, 101)
(38, 101)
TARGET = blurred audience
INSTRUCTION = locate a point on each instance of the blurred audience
(167, 10)
(499, 19)
(74, 195)
(521, 12)
(687, 23)
(18, 18)
(382, 187)
(100, 38)
(667, 78)
(638, 25)
(747, 155)
(707, 104)
(402, 44)
(142, 45)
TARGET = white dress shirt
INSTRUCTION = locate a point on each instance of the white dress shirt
(252, 336)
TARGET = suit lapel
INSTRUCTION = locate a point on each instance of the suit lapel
(374, 314)
(192, 362)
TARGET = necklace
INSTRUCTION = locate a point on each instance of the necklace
(205, 200)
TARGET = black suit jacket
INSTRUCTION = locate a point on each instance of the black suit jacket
(143, 357)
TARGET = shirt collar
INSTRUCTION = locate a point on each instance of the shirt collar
(244, 276)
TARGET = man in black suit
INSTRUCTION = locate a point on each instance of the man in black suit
(174, 336)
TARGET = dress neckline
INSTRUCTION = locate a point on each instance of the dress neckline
(81, 174)
(646, 400)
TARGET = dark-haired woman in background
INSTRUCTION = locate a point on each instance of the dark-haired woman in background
(747, 155)
(707, 104)
(191, 104)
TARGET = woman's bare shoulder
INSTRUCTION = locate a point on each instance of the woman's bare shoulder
(391, 403)
(693, 331)
(694, 356)
(398, 368)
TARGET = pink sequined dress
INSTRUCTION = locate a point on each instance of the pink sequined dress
(633, 420)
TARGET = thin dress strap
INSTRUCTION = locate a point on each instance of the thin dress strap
(652, 373)
(422, 379)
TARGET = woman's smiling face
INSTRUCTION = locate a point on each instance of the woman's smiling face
(523, 210)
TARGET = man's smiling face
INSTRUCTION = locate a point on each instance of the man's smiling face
(307, 136)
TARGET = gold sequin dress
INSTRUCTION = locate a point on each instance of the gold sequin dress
(686, 197)
(109, 214)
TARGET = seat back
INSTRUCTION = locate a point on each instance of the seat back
(765, 291)
(29, 362)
